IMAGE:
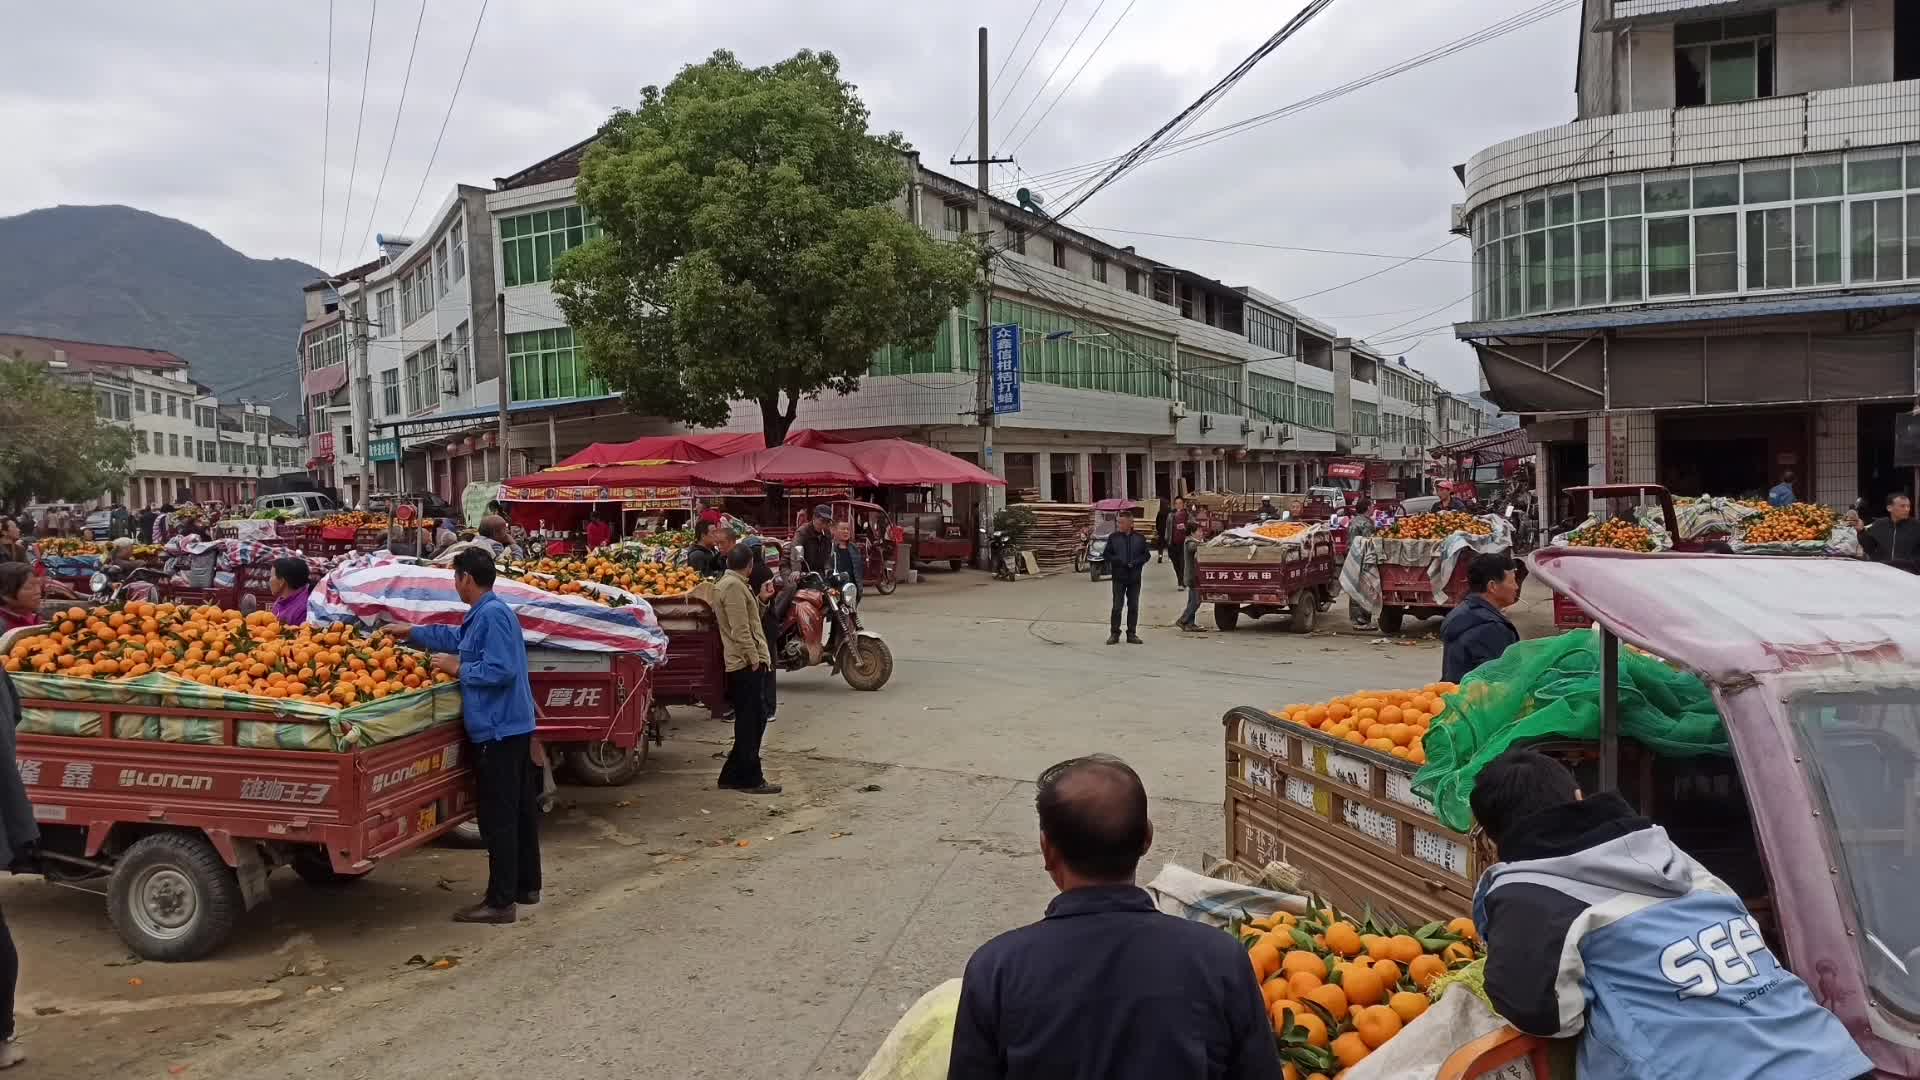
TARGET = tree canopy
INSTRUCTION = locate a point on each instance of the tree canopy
(749, 245)
(52, 444)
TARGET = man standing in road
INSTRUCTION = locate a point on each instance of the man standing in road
(1126, 557)
(489, 657)
(1182, 525)
(749, 664)
(1089, 992)
(1478, 630)
(1895, 538)
(1190, 554)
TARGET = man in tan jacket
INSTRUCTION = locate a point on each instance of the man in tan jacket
(749, 666)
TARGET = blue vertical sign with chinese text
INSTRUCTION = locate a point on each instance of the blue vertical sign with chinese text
(1004, 343)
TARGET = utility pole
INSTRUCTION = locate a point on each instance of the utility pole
(505, 383)
(983, 228)
(363, 395)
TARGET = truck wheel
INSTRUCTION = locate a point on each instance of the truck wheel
(172, 897)
(317, 870)
(954, 564)
(1093, 571)
(603, 764)
(1226, 616)
(868, 664)
(467, 835)
(1301, 612)
(1390, 619)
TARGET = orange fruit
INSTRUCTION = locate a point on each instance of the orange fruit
(1343, 938)
(1375, 945)
(1264, 957)
(1278, 1010)
(1273, 990)
(1316, 715)
(1316, 1027)
(1302, 983)
(1302, 960)
(1388, 971)
(1376, 1024)
(1408, 1005)
(1363, 985)
(1350, 1049)
(1425, 969)
(1390, 714)
(1404, 948)
(1330, 997)
(1465, 928)
(1458, 953)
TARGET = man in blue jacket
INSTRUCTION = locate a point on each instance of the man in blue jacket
(489, 657)
(1597, 925)
(1478, 630)
(1126, 555)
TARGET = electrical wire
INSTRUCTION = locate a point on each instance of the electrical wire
(366, 69)
(1038, 43)
(451, 101)
(1057, 65)
(1369, 277)
(1048, 111)
(973, 119)
(1273, 247)
(326, 140)
(405, 81)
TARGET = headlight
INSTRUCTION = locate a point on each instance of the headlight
(98, 582)
(850, 593)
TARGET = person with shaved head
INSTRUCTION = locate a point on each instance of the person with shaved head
(1106, 986)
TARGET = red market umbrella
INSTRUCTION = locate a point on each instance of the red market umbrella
(704, 447)
(898, 462)
(794, 466)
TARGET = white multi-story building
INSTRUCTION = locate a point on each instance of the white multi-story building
(1711, 276)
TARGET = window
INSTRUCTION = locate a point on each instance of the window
(208, 450)
(1209, 385)
(1060, 254)
(448, 362)
(1721, 60)
(1877, 235)
(173, 445)
(463, 355)
(421, 391)
(186, 447)
(139, 400)
(1770, 248)
(1019, 240)
(1366, 418)
(140, 441)
(1270, 333)
(406, 299)
(1163, 288)
(423, 291)
(1099, 268)
(1064, 351)
(203, 416)
(326, 347)
(955, 217)
(1271, 398)
(458, 234)
(1816, 244)
(546, 364)
(1715, 245)
(122, 407)
(1133, 280)
(384, 313)
(1315, 408)
(173, 405)
(530, 242)
(440, 267)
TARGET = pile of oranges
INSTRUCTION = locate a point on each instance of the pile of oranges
(334, 666)
(355, 519)
(1337, 990)
(67, 546)
(1280, 530)
(1390, 721)
(646, 579)
(1436, 526)
(1794, 523)
(1616, 533)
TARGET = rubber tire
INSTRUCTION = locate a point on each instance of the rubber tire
(1392, 617)
(955, 564)
(467, 835)
(1306, 605)
(316, 870)
(1226, 616)
(216, 888)
(614, 768)
(1093, 570)
(886, 584)
(882, 664)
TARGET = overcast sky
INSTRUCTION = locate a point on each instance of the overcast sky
(213, 112)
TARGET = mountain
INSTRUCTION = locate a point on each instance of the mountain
(122, 276)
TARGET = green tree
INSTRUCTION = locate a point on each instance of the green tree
(749, 246)
(52, 445)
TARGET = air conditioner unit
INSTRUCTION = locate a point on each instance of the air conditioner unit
(449, 383)
(1266, 432)
(1206, 422)
(1246, 426)
(1457, 219)
(1179, 410)
(450, 362)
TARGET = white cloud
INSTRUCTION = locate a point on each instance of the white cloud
(212, 113)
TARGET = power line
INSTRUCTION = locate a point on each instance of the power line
(435, 156)
(1076, 78)
(1015, 85)
(1057, 65)
(1273, 247)
(971, 118)
(366, 69)
(1368, 277)
(326, 140)
(405, 81)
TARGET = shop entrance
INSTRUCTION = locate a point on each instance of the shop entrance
(1739, 455)
(1878, 476)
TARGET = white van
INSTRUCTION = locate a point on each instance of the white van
(298, 503)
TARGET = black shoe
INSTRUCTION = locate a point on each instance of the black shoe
(1134, 639)
(481, 913)
(1113, 639)
(760, 789)
(529, 897)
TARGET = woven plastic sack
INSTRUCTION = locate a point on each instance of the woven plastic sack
(1707, 515)
(1548, 689)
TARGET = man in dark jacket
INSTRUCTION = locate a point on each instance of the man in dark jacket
(1181, 525)
(815, 539)
(1895, 538)
(1125, 556)
(1597, 925)
(1162, 540)
(1478, 630)
(706, 558)
(1105, 987)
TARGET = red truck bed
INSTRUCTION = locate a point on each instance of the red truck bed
(596, 709)
(1299, 583)
(695, 669)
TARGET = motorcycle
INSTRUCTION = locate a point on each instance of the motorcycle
(819, 623)
(115, 584)
(1000, 557)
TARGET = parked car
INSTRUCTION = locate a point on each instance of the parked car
(430, 504)
(100, 525)
(298, 503)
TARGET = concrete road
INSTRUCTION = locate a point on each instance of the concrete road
(695, 933)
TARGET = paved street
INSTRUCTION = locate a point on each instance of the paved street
(720, 935)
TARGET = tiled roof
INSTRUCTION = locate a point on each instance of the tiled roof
(89, 354)
(560, 166)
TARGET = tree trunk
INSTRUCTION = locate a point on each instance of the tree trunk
(776, 422)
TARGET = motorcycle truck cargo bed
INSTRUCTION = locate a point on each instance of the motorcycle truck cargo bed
(596, 709)
(181, 836)
(1268, 579)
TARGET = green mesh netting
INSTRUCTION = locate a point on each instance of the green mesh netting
(1549, 688)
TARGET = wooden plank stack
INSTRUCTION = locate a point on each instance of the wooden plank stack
(1055, 537)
